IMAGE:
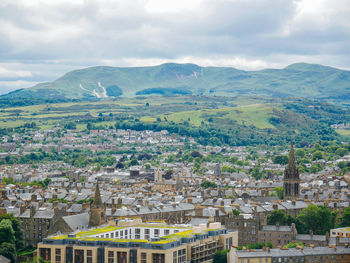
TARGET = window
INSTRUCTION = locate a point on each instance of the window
(79, 256)
(137, 233)
(110, 256)
(122, 257)
(158, 258)
(58, 255)
(143, 257)
(146, 233)
(166, 232)
(156, 232)
(89, 256)
(45, 253)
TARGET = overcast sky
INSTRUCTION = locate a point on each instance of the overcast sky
(42, 39)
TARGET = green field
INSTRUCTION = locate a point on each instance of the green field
(241, 120)
(343, 132)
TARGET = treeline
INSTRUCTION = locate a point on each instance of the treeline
(236, 135)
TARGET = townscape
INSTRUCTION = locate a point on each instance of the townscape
(162, 131)
(155, 179)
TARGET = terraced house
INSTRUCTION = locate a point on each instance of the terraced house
(131, 241)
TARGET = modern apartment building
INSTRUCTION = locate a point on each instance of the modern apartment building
(131, 241)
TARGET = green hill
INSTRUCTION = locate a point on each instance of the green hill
(296, 80)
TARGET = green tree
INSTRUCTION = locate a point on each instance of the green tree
(281, 159)
(317, 155)
(277, 217)
(279, 191)
(341, 151)
(235, 212)
(7, 234)
(345, 218)
(319, 219)
(8, 250)
(208, 184)
(220, 256)
(300, 153)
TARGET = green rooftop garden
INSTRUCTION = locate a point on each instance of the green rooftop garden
(86, 235)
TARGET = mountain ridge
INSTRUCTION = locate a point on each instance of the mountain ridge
(296, 80)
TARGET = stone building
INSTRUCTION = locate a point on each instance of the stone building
(280, 236)
(305, 255)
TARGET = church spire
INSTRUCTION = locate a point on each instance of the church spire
(97, 213)
(97, 198)
(291, 177)
(291, 160)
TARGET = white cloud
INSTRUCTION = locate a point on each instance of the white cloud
(6, 73)
(50, 37)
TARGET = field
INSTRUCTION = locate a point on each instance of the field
(148, 109)
(241, 121)
(343, 132)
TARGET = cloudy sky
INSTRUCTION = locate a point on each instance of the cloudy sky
(42, 39)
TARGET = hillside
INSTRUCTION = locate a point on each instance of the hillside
(296, 80)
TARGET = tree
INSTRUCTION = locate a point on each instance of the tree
(341, 151)
(345, 218)
(256, 173)
(8, 250)
(235, 212)
(7, 234)
(277, 217)
(206, 184)
(319, 219)
(17, 227)
(8, 237)
(220, 256)
(317, 155)
(281, 159)
(279, 191)
(300, 153)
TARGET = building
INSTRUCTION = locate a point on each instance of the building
(280, 236)
(291, 178)
(276, 255)
(131, 241)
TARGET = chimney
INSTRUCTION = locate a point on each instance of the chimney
(85, 205)
(198, 211)
(32, 211)
(4, 195)
(293, 202)
(34, 198)
(119, 202)
(22, 209)
(275, 206)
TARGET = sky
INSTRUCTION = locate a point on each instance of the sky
(40, 40)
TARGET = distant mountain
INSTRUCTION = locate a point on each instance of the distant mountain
(296, 80)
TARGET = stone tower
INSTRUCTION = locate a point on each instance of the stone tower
(97, 214)
(291, 177)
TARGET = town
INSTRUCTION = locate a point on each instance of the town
(168, 193)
